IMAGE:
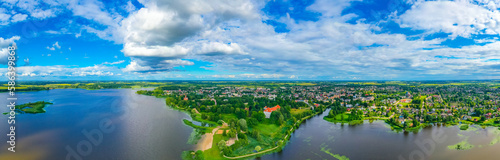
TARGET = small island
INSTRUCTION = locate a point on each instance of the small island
(31, 108)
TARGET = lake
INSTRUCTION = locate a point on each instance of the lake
(143, 127)
(376, 141)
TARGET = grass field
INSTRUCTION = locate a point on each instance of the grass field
(267, 129)
(214, 152)
(298, 111)
(338, 118)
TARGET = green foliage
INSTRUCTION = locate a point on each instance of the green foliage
(221, 144)
(31, 108)
(277, 118)
(464, 127)
(190, 155)
(258, 148)
(260, 116)
(243, 124)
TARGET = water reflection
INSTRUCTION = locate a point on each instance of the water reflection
(145, 128)
(375, 140)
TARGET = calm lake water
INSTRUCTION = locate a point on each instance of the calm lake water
(145, 128)
(376, 141)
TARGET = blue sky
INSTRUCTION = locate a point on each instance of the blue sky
(252, 39)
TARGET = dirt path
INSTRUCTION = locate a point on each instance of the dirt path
(206, 140)
(196, 111)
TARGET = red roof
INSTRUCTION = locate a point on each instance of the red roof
(272, 109)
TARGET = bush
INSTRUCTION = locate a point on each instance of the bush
(221, 144)
(258, 148)
(242, 136)
(464, 127)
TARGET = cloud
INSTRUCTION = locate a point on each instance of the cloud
(48, 72)
(27, 62)
(4, 51)
(149, 66)
(135, 67)
(54, 46)
(168, 30)
(233, 37)
(19, 17)
(135, 50)
(217, 48)
(21, 10)
(248, 76)
(113, 63)
(460, 18)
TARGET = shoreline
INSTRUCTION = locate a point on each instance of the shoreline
(398, 129)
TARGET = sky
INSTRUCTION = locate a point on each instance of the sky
(251, 39)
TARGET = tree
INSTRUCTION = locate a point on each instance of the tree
(276, 117)
(221, 144)
(231, 134)
(252, 122)
(260, 116)
(415, 122)
(243, 124)
(242, 136)
(241, 113)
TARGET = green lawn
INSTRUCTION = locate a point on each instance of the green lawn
(267, 129)
(338, 118)
(298, 111)
(214, 152)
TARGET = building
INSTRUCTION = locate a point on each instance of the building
(268, 111)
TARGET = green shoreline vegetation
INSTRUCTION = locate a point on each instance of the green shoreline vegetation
(463, 145)
(337, 156)
(31, 108)
(245, 120)
(89, 85)
(464, 127)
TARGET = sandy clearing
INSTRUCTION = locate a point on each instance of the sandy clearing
(206, 140)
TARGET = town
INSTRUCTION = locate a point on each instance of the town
(268, 111)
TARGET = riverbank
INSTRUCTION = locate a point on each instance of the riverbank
(270, 134)
(281, 145)
(246, 133)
